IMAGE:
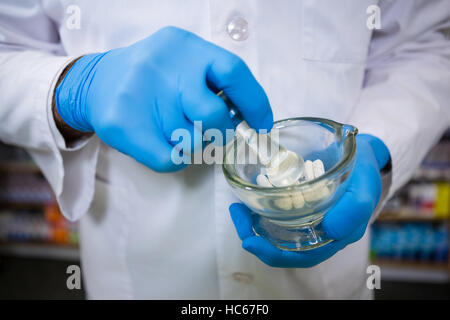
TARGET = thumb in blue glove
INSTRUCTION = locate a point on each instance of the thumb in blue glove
(346, 222)
(135, 97)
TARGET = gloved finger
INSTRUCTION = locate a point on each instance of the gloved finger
(230, 74)
(241, 216)
(201, 104)
(359, 200)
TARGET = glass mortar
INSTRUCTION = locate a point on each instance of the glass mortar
(298, 227)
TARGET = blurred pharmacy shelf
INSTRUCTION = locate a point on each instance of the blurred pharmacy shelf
(410, 238)
(31, 224)
(408, 215)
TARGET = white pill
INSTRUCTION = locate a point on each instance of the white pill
(309, 170)
(318, 168)
(284, 203)
(297, 200)
(262, 181)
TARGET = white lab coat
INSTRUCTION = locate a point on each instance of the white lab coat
(151, 235)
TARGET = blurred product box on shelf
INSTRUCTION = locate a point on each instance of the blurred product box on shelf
(436, 165)
(420, 241)
(421, 200)
(28, 212)
(48, 226)
(25, 188)
(427, 195)
(442, 203)
(21, 182)
(430, 197)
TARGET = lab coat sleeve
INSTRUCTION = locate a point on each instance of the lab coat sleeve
(30, 65)
(406, 96)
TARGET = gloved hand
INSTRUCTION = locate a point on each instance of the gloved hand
(135, 97)
(346, 222)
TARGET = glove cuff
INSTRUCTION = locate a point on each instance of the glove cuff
(71, 93)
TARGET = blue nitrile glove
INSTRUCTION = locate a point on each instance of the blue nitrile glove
(135, 97)
(346, 222)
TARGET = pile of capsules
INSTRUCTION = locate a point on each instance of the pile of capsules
(310, 194)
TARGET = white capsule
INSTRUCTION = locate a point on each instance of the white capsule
(262, 181)
(284, 203)
(297, 200)
(318, 168)
(309, 170)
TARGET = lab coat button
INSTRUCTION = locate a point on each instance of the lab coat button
(237, 29)
(243, 277)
